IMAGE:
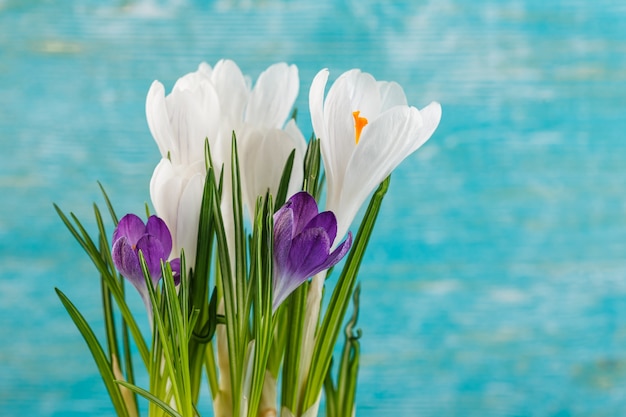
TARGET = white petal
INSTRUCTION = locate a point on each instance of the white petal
(273, 96)
(339, 143)
(190, 81)
(262, 155)
(363, 92)
(391, 94)
(233, 91)
(158, 118)
(188, 218)
(249, 143)
(353, 91)
(165, 190)
(297, 138)
(205, 69)
(299, 144)
(194, 116)
(431, 116)
(316, 105)
(385, 143)
(176, 194)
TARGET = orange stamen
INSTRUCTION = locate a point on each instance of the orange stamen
(359, 124)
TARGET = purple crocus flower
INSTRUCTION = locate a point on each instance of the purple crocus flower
(154, 241)
(303, 239)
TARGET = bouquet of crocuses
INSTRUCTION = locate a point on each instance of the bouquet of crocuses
(233, 264)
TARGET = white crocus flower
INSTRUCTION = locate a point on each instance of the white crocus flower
(211, 103)
(366, 129)
(181, 121)
(176, 192)
(258, 117)
(265, 140)
(262, 158)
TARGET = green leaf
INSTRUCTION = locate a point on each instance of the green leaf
(109, 205)
(204, 327)
(241, 267)
(349, 364)
(166, 324)
(283, 188)
(331, 393)
(104, 366)
(261, 276)
(312, 168)
(147, 395)
(331, 324)
(294, 323)
(81, 235)
(107, 302)
(236, 345)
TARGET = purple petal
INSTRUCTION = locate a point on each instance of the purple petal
(127, 262)
(157, 228)
(337, 254)
(131, 227)
(283, 229)
(308, 256)
(153, 253)
(309, 250)
(175, 265)
(327, 221)
(304, 209)
(283, 286)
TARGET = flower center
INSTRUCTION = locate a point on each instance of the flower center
(359, 124)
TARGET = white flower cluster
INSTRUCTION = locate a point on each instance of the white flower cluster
(365, 127)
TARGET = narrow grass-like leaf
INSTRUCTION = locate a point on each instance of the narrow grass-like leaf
(128, 359)
(262, 254)
(199, 289)
(330, 327)
(180, 333)
(104, 366)
(294, 323)
(312, 167)
(283, 188)
(241, 268)
(111, 280)
(349, 364)
(236, 347)
(109, 319)
(147, 395)
(211, 370)
(107, 305)
(165, 337)
(109, 205)
(331, 393)
(105, 250)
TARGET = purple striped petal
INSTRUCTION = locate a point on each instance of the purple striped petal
(304, 210)
(157, 228)
(282, 288)
(327, 221)
(153, 240)
(283, 233)
(153, 253)
(309, 250)
(302, 242)
(131, 227)
(126, 261)
(337, 254)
